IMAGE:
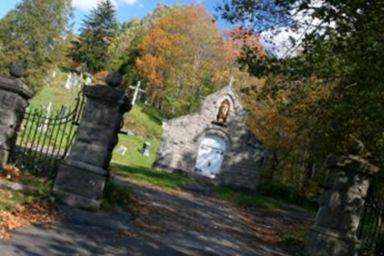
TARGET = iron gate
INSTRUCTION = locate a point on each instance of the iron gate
(371, 229)
(45, 137)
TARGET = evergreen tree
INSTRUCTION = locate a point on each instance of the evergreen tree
(31, 34)
(96, 35)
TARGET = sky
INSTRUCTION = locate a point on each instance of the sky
(126, 9)
(280, 44)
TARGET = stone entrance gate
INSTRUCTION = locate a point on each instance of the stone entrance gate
(39, 141)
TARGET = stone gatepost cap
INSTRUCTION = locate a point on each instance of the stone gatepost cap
(16, 70)
(15, 85)
(352, 162)
(114, 79)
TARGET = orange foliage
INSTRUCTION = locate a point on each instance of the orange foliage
(238, 38)
(25, 215)
(182, 51)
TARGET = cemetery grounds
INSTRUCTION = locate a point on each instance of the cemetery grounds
(174, 214)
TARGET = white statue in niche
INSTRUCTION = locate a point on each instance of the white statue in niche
(222, 115)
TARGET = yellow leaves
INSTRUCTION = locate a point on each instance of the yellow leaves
(25, 215)
(181, 55)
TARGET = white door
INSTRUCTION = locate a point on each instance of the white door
(210, 156)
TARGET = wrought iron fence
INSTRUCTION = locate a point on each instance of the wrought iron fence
(45, 137)
(371, 229)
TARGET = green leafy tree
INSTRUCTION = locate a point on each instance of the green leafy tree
(123, 50)
(97, 34)
(340, 48)
(31, 34)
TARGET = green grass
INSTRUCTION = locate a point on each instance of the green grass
(56, 93)
(10, 198)
(133, 157)
(115, 196)
(144, 121)
(246, 199)
(288, 195)
(294, 240)
(150, 176)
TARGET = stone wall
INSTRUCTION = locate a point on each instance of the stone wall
(14, 96)
(182, 137)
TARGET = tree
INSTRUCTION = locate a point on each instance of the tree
(182, 59)
(337, 41)
(97, 33)
(31, 34)
(123, 50)
(240, 39)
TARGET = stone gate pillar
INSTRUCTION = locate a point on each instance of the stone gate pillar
(14, 96)
(341, 207)
(81, 179)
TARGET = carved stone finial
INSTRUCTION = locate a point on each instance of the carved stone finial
(16, 70)
(114, 79)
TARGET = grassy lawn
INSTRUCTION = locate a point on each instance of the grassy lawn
(144, 121)
(55, 93)
(246, 199)
(133, 156)
(150, 176)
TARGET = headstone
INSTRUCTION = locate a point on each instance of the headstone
(88, 80)
(14, 96)
(341, 207)
(122, 150)
(81, 179)
(68, 83)
(73, 81)
(63, 112)
(44, 125)
(145, 149)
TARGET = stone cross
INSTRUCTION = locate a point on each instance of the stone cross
(137, 92)
(341, 207)
(82, 177)
(14, 96)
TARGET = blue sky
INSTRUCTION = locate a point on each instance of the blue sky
(126, 9)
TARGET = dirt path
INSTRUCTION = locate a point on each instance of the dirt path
(163, 224)
(196, 224)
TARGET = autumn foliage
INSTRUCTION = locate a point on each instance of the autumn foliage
(183, 58)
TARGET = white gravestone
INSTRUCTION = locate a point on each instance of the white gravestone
(122, 150)
(145, 149)
(44, 126)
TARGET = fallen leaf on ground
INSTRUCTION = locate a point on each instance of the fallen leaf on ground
(42, 211)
